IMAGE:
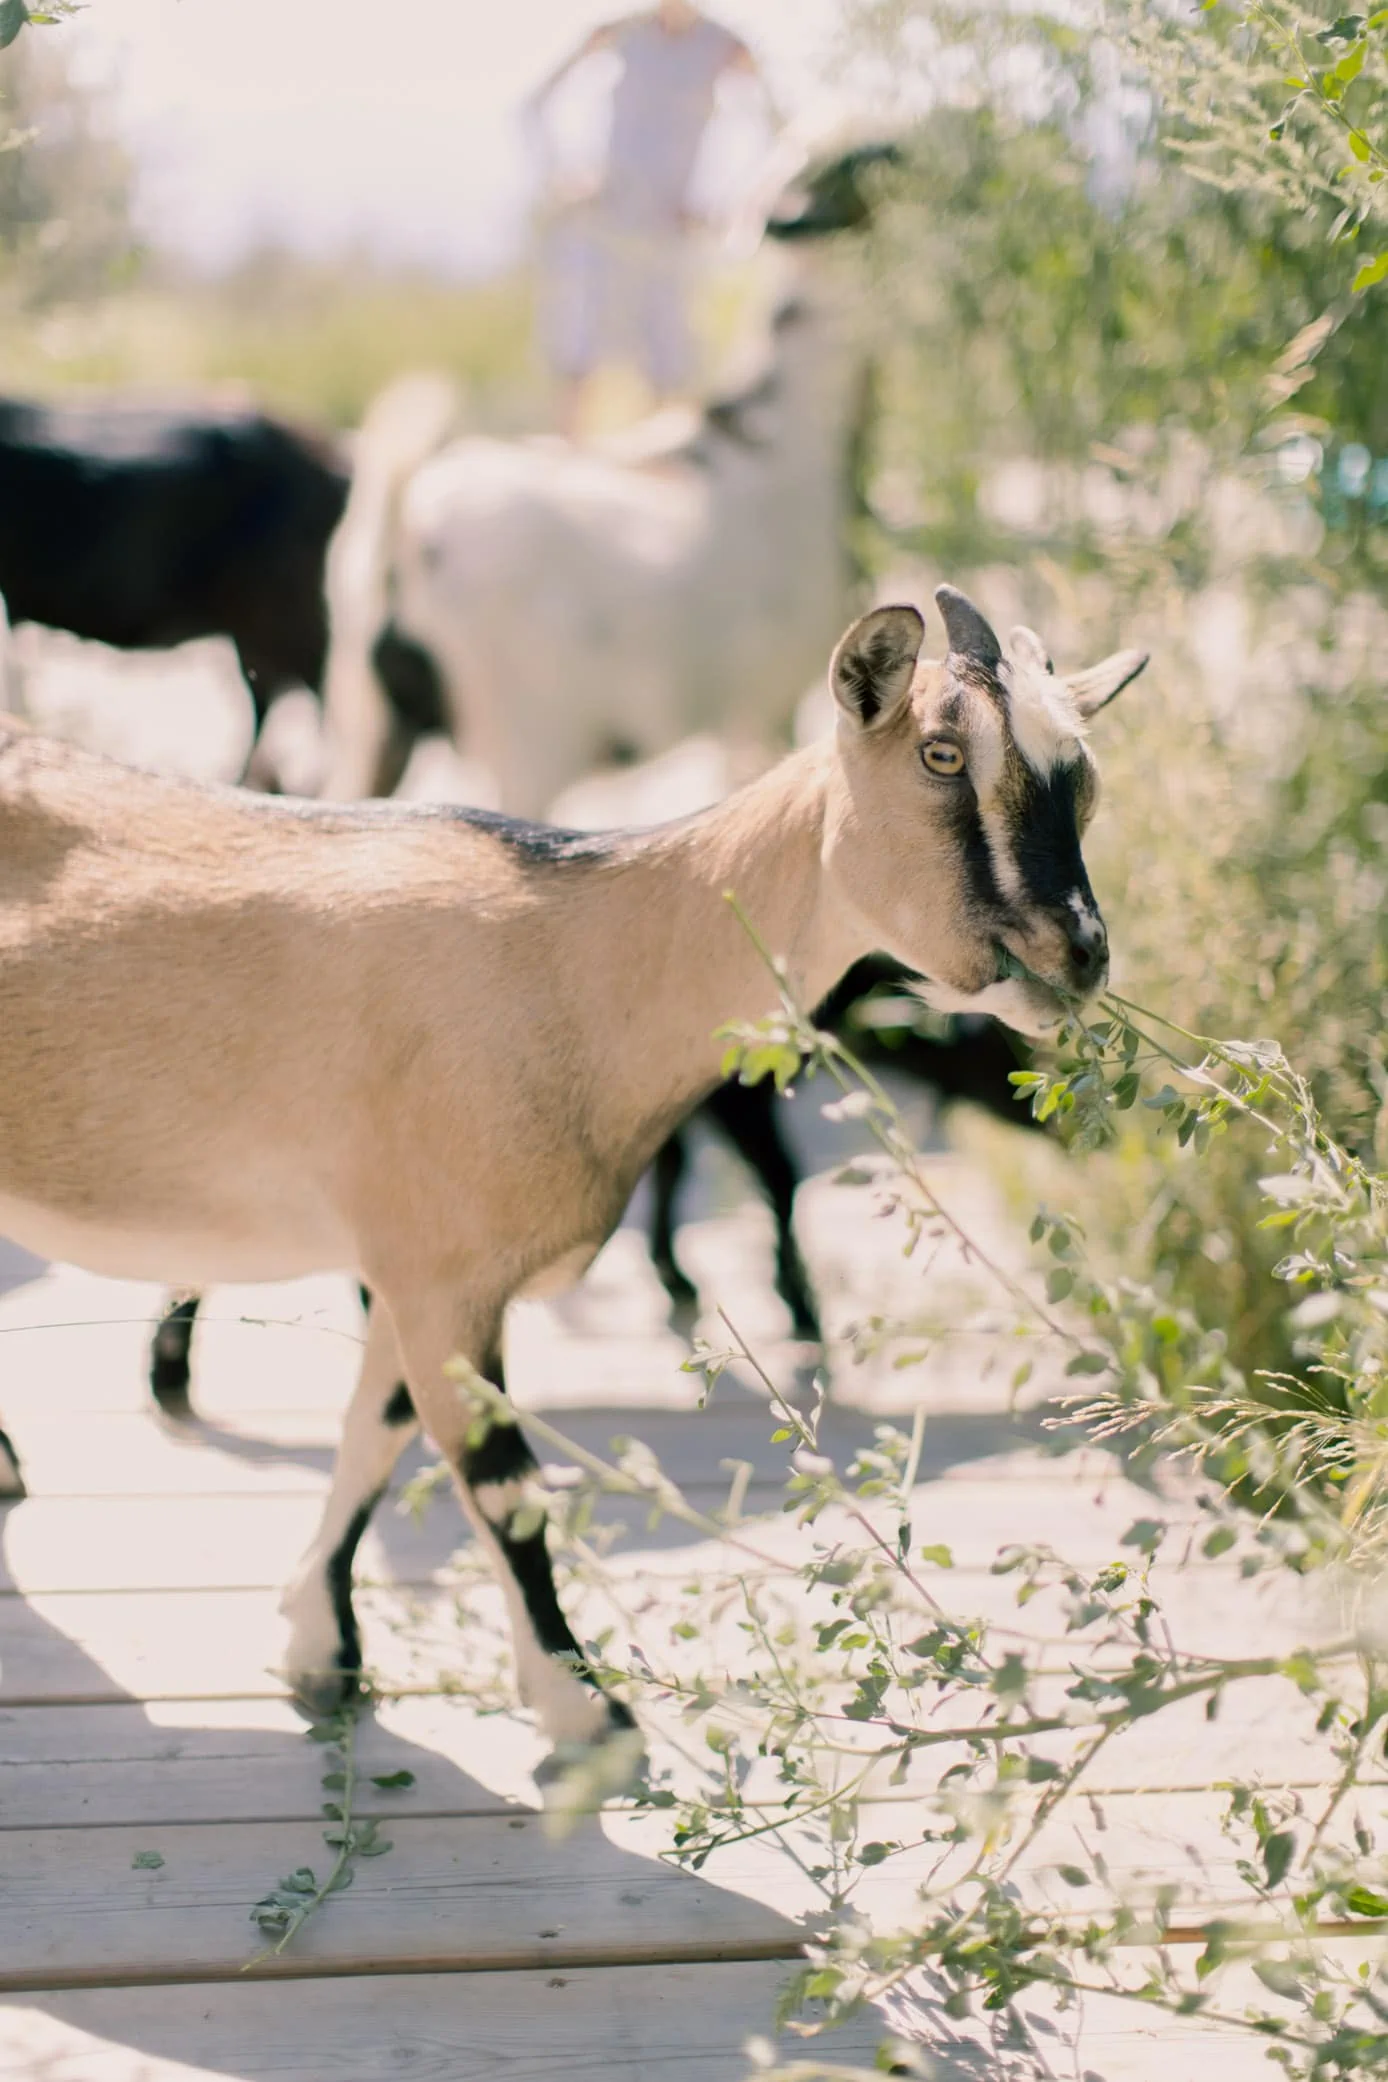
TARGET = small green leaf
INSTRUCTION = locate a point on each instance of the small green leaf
(1280, 1976)
(1362, 1901)
(13, 15)
(1373, 271)
(1073, 1876)
(939, 1554)
(1278, 1852)
(393, 1781)
(823, 1983)
(873, 1853)
(527, 1521)
(377, 1847)
(1059, 1282)
(146, 1861)
(1219, 1542)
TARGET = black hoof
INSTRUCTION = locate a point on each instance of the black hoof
(169, 1387)
(794, 1289)
(682, 1292)
(579, 1777)
(319, 1695)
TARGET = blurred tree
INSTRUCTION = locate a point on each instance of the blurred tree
(1098, 245)
(65, 183)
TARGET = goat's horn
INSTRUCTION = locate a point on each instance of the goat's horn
(970, 636)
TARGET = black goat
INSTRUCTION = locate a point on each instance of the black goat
(143, 526)
(971, 1064)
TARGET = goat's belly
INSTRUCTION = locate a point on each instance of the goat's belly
(179, 1255)
(560, 1274)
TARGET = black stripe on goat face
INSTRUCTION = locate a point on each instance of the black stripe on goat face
(1043, 812)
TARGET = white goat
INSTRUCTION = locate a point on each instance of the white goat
(551, 606)
(440, 1047)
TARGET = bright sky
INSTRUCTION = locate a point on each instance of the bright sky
(321, 122)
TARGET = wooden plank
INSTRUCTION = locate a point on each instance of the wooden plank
(236, 1543)
(289, 1451)
(608, 2024)
(499, 1891)
(250, 1760)
(213, 1643)
(491, 1891)
(200, 1645)
(76, 1343)
(593, 2024)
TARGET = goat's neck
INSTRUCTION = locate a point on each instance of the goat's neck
(677, 963)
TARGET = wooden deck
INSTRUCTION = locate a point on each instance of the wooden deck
(140, 1711)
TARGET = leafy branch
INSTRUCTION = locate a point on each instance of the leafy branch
(282, 1913)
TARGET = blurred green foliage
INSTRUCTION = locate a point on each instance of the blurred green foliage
(1132, 394)
(65, 186)
(1036, 302)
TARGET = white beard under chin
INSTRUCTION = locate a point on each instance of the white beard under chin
(1027, 1007)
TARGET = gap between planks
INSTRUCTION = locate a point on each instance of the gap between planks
(745, 1952)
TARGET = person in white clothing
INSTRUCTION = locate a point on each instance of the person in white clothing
(616, 260)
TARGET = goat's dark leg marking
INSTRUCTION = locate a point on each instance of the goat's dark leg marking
(400, 1409)
(667, 1175)
(494, 1473)
(747, 1115)
(324, 1656)
(339, 1574)
(11, 1479)
(169, 1371)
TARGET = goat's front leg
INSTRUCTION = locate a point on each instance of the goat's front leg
(667, 1175)
(494, 1480)
(323, 1662)
(749, 1116)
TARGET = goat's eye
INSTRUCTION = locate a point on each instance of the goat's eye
(939, 756)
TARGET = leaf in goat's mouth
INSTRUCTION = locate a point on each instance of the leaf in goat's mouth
(1010, 969)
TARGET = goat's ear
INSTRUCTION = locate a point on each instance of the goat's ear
(1095, 687)
(871, 671)
(1027, 648)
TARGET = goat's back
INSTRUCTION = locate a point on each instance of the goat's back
(318, 1002)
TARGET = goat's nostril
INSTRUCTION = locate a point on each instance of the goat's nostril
(1088, 949)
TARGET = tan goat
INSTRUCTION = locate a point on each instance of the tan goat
(439, 1048)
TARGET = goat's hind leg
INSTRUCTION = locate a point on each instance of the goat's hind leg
(323, 1661)
(493, 1470)
(169, 1369)
(11, 1480)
